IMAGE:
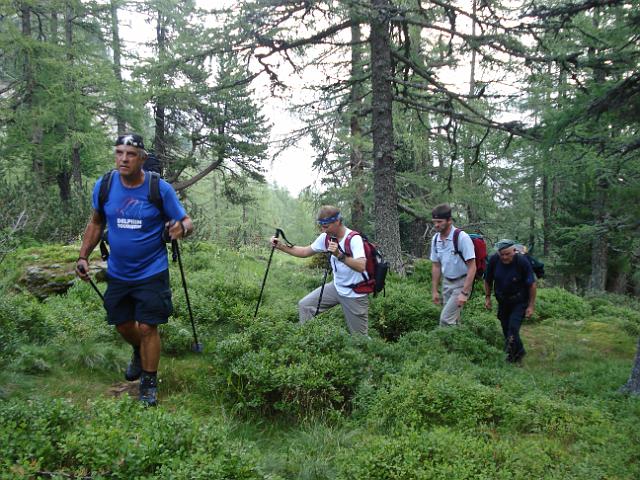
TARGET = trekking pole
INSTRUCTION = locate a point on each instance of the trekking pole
(175, 250)
(324, 279)
(278, 233)
(82, 270)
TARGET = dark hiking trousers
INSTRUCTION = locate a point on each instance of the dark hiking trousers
(511, 316)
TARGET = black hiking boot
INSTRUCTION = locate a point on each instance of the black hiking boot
(149, 390)
(134, 369)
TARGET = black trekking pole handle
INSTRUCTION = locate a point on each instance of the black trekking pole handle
(197, 346)
(82, 270)
(264, 279)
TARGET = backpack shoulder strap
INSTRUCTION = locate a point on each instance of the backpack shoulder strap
(103, 193)
(154, 191)
(456, 235)
(436, 237)
(522, 270)
(347, 242)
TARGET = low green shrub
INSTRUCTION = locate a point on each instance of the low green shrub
(446, 453)
(31, 433)
(538, 413)
(420, 275)
(31, 359)
(283, 367)
(406, 307)
(486, 326)
(560, 304)
(176, 336)
(626, 317)
(22, 321)
(421, 397)
(465, 343)
(117, 439)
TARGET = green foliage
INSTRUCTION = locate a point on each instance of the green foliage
(464, 342)
(558, 303)
(302, 370)
(447, 453)
(617, 310)
(118, 439)
(319, 403)
(22, 320)
(404, 308)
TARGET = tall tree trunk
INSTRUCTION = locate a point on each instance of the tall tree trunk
(117, 68)
(600, 241)
(356, 160)
(620, 283)
(385, 194)
(468, 154)
(633, 384)
(63, 178)
(159, 140)
(76, 173)
(534, 208)
(27, 68)
(37, 165)
(546, 221)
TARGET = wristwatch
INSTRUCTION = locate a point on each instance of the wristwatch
(466, 294)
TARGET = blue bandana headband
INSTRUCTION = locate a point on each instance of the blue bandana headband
(328, 220)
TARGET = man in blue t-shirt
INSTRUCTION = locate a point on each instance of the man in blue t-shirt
(512, 278)
(138, 296)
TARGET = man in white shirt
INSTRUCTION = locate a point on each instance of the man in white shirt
(348, 270)
(456, 267)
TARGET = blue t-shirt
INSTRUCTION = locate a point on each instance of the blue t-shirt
(511, 280)
(135, 228)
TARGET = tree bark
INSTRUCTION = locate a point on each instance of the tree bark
(159, 140)
(356, 161)
(27, 71)
(117, 69)
(633, 384)
(534, 209)
(384, 175)
(76, 173)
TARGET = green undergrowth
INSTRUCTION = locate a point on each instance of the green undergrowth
(269, 398)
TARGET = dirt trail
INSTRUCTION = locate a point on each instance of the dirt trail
(124, 388)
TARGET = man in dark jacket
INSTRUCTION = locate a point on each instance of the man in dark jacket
(512, 278)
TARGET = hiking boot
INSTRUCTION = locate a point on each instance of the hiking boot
(149, 390)
(134, 369)
(518, 358)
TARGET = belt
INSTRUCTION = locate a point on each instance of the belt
(456, 279)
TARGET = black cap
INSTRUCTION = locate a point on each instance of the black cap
(132, 139)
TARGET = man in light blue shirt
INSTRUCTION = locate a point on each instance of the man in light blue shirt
(457, 267)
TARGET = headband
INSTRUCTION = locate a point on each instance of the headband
(328, 220)
(441, 216)
(132, 139)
